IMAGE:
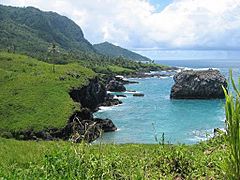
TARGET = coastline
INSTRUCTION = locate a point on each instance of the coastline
(126, 105)
(114, 102)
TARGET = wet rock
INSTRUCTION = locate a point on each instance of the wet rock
(123, 81)
(88, 130)
(132, 91)
(138, 94)
(115, 86)
(111, 102)
(121, 95)
(105, 124)
(198, 85)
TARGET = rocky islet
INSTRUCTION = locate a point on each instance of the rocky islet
(202, 84)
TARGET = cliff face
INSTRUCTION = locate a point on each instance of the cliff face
(81, 125)
(198, 85)
(90, 96)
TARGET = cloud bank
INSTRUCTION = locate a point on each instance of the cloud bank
(183, 24)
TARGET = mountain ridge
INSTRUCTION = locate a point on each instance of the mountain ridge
(29, 29)
(107, 48)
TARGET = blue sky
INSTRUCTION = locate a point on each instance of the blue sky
(160, 4)
(152, 25)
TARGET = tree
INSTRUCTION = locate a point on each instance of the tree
(53, 52)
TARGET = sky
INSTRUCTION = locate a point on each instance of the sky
(147, 25)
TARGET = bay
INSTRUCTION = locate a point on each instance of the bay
(145, 119)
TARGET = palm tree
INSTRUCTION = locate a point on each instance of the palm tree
(53, 51)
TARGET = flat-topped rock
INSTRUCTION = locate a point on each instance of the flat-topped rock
(138, 95)
(205, 84)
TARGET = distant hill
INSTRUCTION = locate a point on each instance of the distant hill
(32, 31)
(109, 49)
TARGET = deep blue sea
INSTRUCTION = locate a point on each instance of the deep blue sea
(145, 119)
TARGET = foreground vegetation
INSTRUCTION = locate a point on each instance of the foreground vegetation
(63, 160)
(232, 109)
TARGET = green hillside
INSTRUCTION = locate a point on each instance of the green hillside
(53, 38)
(33, 96)
(32, 31)
(109, 49)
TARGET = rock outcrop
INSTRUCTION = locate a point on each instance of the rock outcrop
(111, 101)
(138, 95)
(82, 126)
(90, 96)
(115, 86)
(116, 83)
(124, 81)
(198, 85)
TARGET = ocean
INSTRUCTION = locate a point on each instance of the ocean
(155, 117)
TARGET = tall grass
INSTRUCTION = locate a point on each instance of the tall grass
(232, 109)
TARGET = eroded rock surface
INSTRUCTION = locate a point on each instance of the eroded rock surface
(90, 96)
(115, 86)
(198, 85)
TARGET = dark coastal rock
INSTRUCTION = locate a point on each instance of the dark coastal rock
(115, 86)
(90, 96)
(131, 91)
(158, 73)
(123, 81)
(116, 83)
(198, 85)
(105, 124)
(111, 102)
(83, 127)
(47, 134)
(121, 95)
(138, 94)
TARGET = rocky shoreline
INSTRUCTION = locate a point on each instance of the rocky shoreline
(82, 126)
(158, 74)
(91, 98)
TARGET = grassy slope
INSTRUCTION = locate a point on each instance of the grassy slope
(63, 160)
(32, 95)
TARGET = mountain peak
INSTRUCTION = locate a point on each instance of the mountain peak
(109, 49)
(38, 29)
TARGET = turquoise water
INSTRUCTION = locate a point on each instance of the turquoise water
(145, 119)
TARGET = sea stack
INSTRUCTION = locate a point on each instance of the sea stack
(204, 84)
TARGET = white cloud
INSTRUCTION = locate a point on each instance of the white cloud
(213, 24)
